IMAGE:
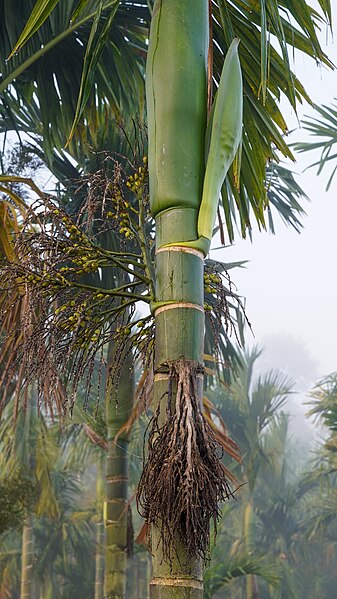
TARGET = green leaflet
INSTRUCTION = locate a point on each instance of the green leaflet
(225, 139)
(39, 14)
(96, 43)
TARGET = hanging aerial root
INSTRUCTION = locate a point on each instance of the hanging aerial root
(183, 479)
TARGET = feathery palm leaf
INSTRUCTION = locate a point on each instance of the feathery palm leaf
(248, 407)
(26, 444)
(239, 564)
(266, 75)
(323, 401)
(109, 48)
(323, 130)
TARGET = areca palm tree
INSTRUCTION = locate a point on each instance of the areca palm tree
(119, 415)
(26, 444)
(63, 546)
(249, 407)
(107, 431)
(184, 198)
(84, 442)
(280, 502)
(319, 523)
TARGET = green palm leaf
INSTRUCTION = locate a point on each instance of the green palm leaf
(50, 67)
(26, 444)
(323, 130)
(40, 13)
(240, 564)
(266, 74)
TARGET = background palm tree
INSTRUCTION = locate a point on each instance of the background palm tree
(70, 176)
(63, 546)
(249, 408)
(26, 445)
(294, 549)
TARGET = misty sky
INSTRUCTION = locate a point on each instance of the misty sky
(290, 281)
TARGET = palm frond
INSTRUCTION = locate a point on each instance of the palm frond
(27, 444)
(284, 196)
(267, 75)
(323, 401)
(323, 129)
(111, 81)
(115, 73)
(240, 564)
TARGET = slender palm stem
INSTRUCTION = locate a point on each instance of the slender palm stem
(116, 505)
(176, 86)
(99, 559)
(179, 333)
(27, 559)
(248, 534)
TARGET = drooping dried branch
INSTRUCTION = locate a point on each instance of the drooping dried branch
(220, 299)
(183, 479)
(78, 283)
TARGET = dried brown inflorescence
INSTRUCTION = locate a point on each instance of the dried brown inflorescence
(72, 289)
(183, 479)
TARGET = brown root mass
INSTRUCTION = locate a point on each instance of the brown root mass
(183, 479)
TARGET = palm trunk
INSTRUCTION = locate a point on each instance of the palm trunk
(138, 577)
(27, 559)
(47, 589)
(116, 505)
(176, 82)
(179, 336)
(99, 559)
(248, 535)
(183, 480)
(143, 584)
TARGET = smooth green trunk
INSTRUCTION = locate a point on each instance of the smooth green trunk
(27, 559)
(179, 336)
(138, 577)
(49, 591)
(99, 558)
(248, 534)
(176, 89)
(176, 96)
(116, 505)
(143, 583)
(99, 561)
